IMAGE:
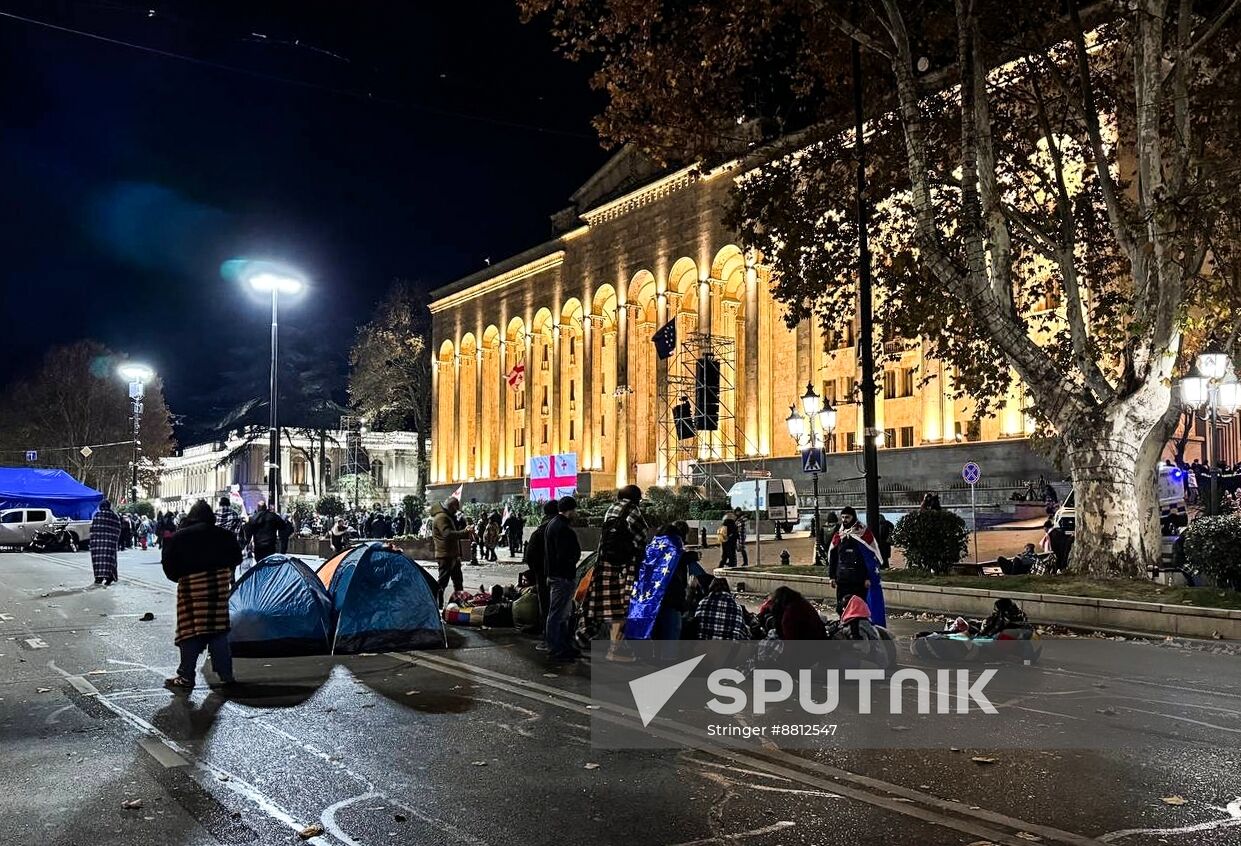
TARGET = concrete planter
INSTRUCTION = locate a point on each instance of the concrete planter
(1073, 611)
(310, 547)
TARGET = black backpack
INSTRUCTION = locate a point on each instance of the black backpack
(615, 541)
(850, 568)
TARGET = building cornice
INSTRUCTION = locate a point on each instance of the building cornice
(500, 280)
(643, 196)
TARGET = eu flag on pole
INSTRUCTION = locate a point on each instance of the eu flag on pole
(666, 339)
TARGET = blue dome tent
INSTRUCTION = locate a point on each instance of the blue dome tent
(279, 608)
(382, 601)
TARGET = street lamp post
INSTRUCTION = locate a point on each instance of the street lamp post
(137, 375)
(810, 429)
(276, 284)
(1212, 388)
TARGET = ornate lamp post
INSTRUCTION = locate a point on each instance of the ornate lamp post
(1212, 390)
(810, 429)
(137, 375)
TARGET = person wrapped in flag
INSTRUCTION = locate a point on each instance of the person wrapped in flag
(853, 566)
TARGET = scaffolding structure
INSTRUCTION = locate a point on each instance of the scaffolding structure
(709, 459)
(356, 461)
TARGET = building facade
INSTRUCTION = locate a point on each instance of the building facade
(551, 352)
(311, 467)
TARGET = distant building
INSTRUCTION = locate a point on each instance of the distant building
(311, 466)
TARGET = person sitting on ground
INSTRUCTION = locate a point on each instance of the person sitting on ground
(719, 616)
(1005, 614)
(793, 617)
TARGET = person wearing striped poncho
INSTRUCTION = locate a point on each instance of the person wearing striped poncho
(200, 557)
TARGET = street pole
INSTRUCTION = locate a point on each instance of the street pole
(974, 518)
(1213, 497)
(758, 529)
(818, 527)
(870, 449)
(133, 480)
(273, 445)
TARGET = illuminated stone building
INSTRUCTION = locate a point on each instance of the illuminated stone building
(635, 250)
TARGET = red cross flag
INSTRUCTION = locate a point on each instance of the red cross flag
(516, 377)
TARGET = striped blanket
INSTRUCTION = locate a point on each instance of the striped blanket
(202, 603)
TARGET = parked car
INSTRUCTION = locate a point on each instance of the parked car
(19, 527)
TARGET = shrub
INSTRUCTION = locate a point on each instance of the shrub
(301, 510)
(1213, 547)
(143, 507)
(414, 507)
(330, 506)
(932, 540)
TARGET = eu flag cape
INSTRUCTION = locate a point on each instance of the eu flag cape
(869, 548)
(663, 554)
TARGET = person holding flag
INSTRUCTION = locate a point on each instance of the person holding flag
(853, 564)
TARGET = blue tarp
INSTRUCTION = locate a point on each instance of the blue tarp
(65, 496)
(383, 601)
(279, 608)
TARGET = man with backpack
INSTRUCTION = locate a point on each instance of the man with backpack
(535, 555)
(853, 566)
(622, 544)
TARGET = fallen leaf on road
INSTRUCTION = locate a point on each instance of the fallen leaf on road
(131, 804)
(591, 766)
(97, 673)
(1108, 711)
(312, 830)
(550, 676)
(412, 692)
(953, 749)
(979, 759)
(399, 817)
(479, 763)
(1033, 838)
(1174, 800)
(236, 815)
(42, 690)
(146, 618)
(224, 777)
(900, 728)
(981, 843)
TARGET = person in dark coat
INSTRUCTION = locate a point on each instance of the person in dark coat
(561, 554)
(1058, 542)
(534, 557)
(200, 557)
(105, 538)
(263, 530)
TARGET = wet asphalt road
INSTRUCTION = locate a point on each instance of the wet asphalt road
(483, 743)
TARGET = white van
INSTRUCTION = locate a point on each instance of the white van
(1169, 490)
(777, 497)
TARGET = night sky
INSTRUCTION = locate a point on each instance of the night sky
(129, 177)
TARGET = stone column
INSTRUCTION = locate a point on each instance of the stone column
(590, 389)
(458, 473)
(624, 317)
(553, 393)
(480, 447)
(437, 449)
(733, 442)
(503, 456)
(531, 411)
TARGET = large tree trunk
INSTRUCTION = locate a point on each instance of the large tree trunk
(1113, 456)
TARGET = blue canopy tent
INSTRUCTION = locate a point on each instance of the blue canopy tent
(382, 601)
(279, 608)
(55, 490)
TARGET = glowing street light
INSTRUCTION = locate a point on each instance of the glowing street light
(276, 283)
(1211, 389)
(812, 428)
(137, 375)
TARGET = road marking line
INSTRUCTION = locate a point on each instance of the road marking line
(860, 788)
(6, 618)
(81, 685)
(758, 832)
(1233, 819)
(158, 750)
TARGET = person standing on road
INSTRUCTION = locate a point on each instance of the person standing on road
(743, 534)
(200, 558)
(228, 519)
(338, 535)
(105, 540)
(853, 566)
(264, 531)
(513, 527)
(621, 546)
(729, 536)
(447, 538)
(561, 555)
(535, 554)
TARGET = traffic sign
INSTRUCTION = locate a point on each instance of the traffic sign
(756, 474)
(32, 455)
(86, 451)
(812, 460)
(971, 473)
